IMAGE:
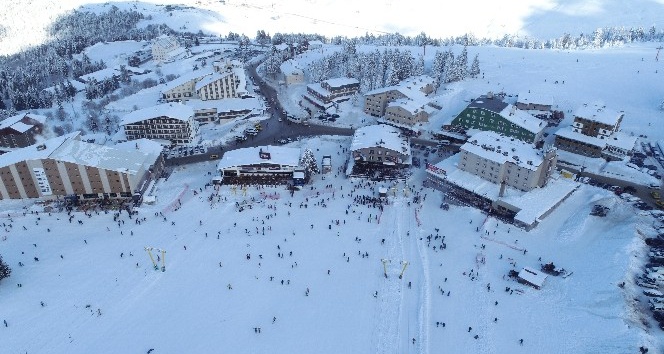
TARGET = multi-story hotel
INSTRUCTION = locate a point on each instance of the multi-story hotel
(66, 166)
(169, 121)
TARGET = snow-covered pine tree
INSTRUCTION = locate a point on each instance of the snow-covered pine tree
(308, 162)
(5, 271)
(475, 67)
(461, 66)
(418, 68)
(437, 68)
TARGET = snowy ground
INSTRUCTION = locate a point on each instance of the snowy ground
(101, 294)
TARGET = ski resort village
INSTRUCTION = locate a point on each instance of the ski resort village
(170, 187)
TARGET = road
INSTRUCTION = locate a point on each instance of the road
(278, 126)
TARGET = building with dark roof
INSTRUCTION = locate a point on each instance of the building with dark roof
(20, 130)
(490, 113)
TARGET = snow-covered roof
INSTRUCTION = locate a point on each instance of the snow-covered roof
(522, 119)
(166, 42)
(79, 86)
(290, 67)
(37, 151)
(319, 89)
(598, 113)
(572, 135)
(104, 157)
(143, 145)
(210, 79)
(412, 106)
(341, 81)
(410, 87)
(539, 201)
(533, 276)
(280, 155)
(100, 75)
(621, 140)
(381, 135)
(15, 123)
(534, 98)
(315, 42)
(172, 110)
(282, 46)
(498, 148)
(194, 75)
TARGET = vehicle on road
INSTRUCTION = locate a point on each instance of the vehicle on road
(655, 194)
(240, 138)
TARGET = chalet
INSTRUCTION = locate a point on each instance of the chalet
(173, 122)
(20, 130)
(380, 144)
(66, 166)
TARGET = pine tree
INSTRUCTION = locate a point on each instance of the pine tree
(308, 162)
(475, 67)
(418, 68)
(5, 271)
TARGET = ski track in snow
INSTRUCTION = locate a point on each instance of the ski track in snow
(389, 299)
(425, 294)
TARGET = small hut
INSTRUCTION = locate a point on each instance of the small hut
(532, 277)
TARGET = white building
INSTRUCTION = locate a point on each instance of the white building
(166, 48)
(227, 80)
(414, 89)
(500, 159)
(292, 72)
(184, 87)
(169, 121)
(65, 166)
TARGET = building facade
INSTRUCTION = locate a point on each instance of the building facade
(405, 112)
(165, 47)
(259, 165)
(66, 166)
(415, 88)
(499, 159)
(338, 89)
(595, 133)
(380, 144)
(170, 121)
(491, 113)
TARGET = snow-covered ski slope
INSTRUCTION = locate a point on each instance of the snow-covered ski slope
(96, 298)
(543, 19)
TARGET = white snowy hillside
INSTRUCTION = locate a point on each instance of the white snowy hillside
(261, 271)
(543, 19)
